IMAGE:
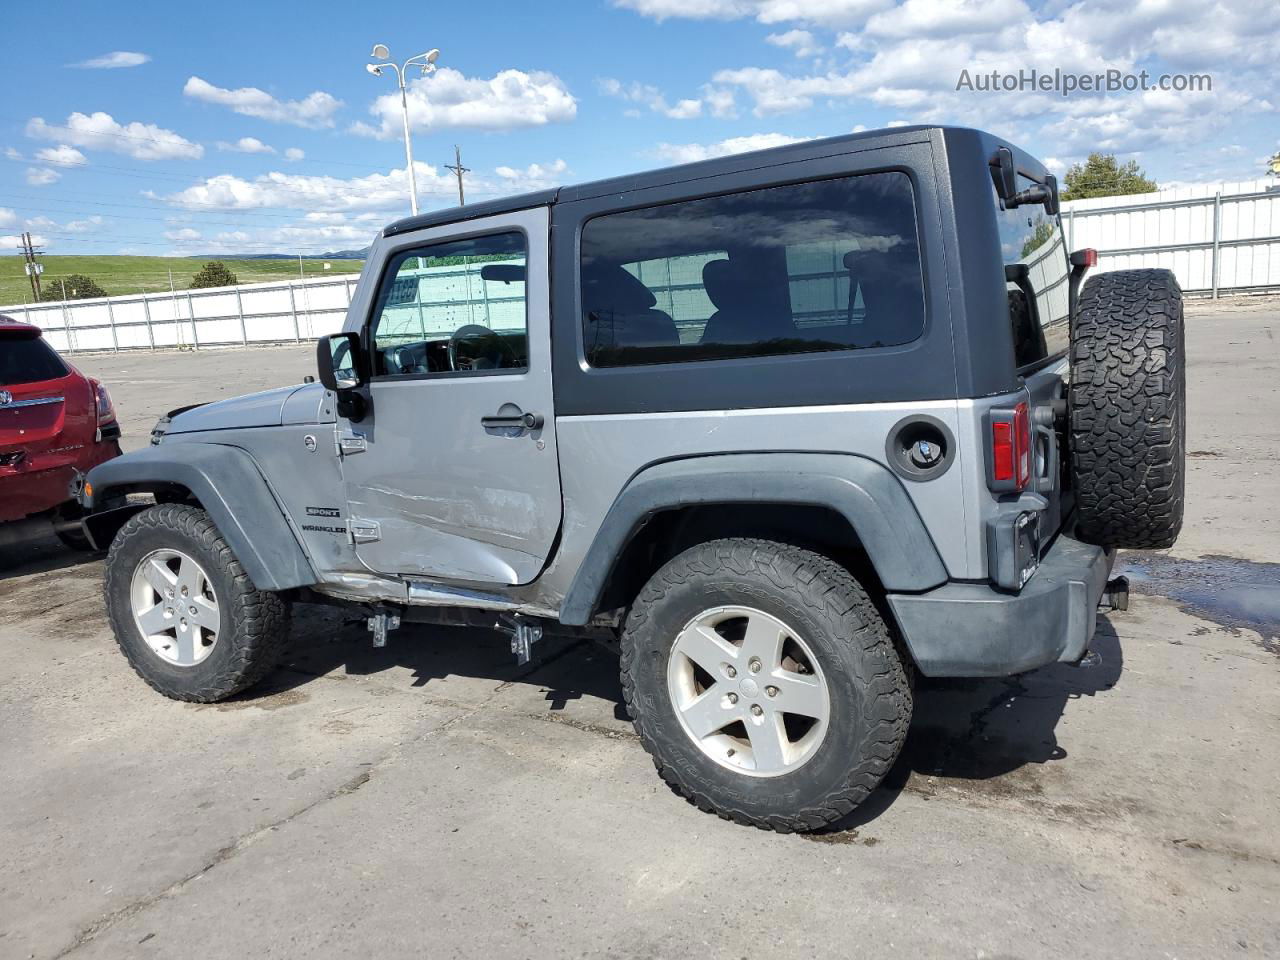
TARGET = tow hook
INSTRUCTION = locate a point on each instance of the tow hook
(1116, 594)
(382, 623)
(524, 634)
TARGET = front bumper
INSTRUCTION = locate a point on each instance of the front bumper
(974, 630)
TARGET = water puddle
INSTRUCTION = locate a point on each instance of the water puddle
(1230, 592)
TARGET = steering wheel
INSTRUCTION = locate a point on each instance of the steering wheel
(488, 350)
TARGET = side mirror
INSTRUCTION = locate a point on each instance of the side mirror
(1052, 205)
(1004, 173)
(340, 362)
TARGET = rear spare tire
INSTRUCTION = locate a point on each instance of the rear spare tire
(1127, 402)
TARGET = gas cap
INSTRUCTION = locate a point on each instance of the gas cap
(925, 453)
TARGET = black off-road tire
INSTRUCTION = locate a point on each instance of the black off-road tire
(1127, 408)
(254, 624)
(866, 678)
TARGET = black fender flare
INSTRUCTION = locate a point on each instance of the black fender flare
(231, 489)
(865, 492)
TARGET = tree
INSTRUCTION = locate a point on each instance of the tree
(77, 286)
(1102, 175)
(213, 274)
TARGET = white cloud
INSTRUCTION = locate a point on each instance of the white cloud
(314, 110)
(7, 217)
(83, 226)
(651, 97)
(830, 13)
(692, 152)
(186, 233)
(536, 176)
(42, 176)
(100, 131)
(721, 101)
(246, 145)
(61, 156)
(113, 61)
(12, 154)
(373, 194)
(948, 18)
(294, 154)
(508, 100)
(14, 241)
(799, 42)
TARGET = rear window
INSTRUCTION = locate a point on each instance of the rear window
(28, 360)
(825, 265)
(1038, 293)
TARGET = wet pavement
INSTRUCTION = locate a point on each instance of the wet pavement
(1233, 593)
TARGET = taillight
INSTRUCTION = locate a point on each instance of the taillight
(102, 398)
(1010, 448)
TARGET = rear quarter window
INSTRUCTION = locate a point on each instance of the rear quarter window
(28, 360)
(1039, 301)
(800, 268)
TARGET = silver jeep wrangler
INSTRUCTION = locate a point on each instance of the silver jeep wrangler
(793, 425)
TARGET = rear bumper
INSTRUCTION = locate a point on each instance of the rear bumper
(47, 481)
(973, 630)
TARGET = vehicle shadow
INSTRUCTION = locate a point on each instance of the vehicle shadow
(962, 730)
(327, 640)
(980, 731)
(42, 555)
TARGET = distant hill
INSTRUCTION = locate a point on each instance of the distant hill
(336, 255)
(121, 275)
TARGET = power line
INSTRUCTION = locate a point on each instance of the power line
(458, 169)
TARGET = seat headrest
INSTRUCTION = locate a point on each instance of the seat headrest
(607, 286)
(726, 285)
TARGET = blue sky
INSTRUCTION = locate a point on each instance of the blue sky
(253, 127)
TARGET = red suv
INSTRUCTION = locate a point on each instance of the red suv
(55, 423)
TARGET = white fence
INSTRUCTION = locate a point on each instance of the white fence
(219, 316)
(1222, 238)
(1216, 239)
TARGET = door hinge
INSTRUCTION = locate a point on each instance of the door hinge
(350, 444)
(363, 531)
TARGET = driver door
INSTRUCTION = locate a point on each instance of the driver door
(452, 471)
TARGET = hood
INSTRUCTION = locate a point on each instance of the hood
(270, 408)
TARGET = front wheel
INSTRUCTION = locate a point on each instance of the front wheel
(764, 683)
(185, 614)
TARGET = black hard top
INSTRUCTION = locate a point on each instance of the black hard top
(773, 156)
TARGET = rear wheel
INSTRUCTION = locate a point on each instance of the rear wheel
(1127, 403)
(764, 683)
(184, 612)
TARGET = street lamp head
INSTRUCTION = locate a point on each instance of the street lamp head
(433, 55)
(380, 51)
(374, 69)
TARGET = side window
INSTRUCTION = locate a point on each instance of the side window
(825, 265)
(456, 307)
(1036, 275)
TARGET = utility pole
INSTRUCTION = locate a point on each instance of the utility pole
(33, 268)
(458, 169)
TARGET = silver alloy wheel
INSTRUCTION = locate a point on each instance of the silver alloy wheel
(748, 691)
(175, 607)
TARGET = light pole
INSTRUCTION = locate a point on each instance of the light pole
(427, 61)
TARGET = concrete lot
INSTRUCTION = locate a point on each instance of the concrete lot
(431, 799)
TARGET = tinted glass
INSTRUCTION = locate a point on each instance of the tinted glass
(826, 265)
(1039, 298)
(28, 360)
(453, 308)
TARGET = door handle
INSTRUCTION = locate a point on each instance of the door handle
(524, 421)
